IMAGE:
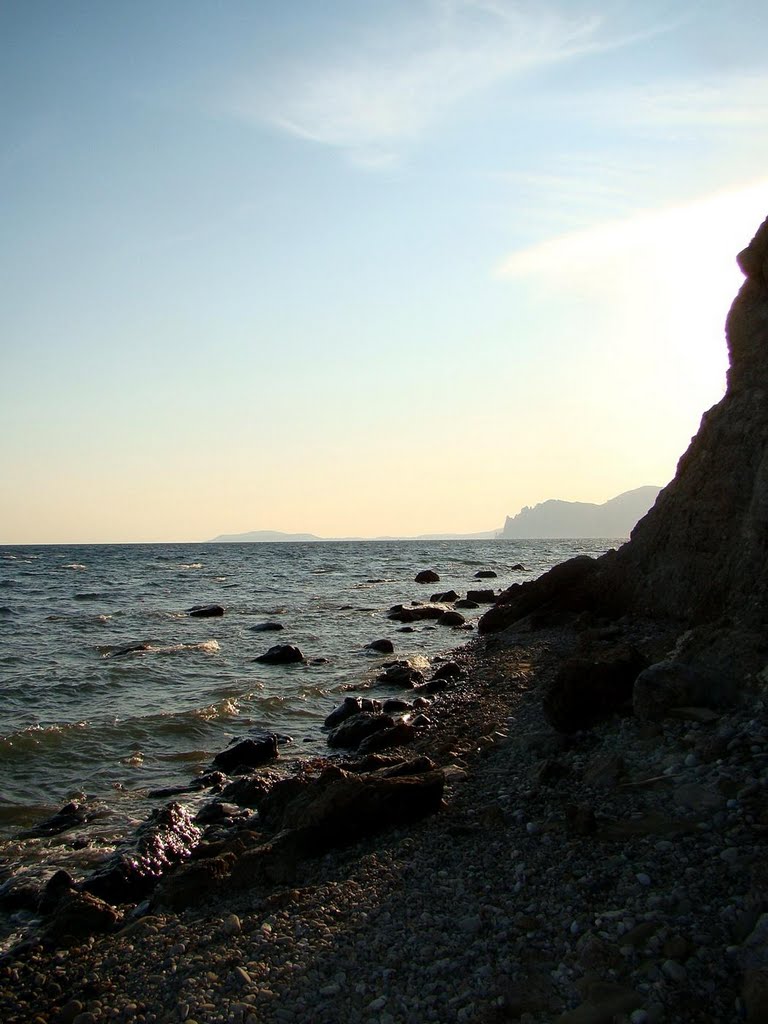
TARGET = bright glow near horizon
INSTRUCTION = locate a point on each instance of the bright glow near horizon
(361, 270)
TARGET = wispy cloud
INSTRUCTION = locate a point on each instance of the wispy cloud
(391, 87)
(675, 237)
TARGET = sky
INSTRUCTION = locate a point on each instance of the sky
(359, 268)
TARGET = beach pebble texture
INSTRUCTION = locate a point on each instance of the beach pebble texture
(565, 879)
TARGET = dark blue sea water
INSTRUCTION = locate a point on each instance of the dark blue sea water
(79, 720)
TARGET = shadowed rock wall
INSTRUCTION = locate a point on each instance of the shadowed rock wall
(701, 554)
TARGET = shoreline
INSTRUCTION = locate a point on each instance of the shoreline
(499, 907)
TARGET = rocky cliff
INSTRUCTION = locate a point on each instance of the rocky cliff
(555, 518)
(700, 555)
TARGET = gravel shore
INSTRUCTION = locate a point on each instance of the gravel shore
(614, 875)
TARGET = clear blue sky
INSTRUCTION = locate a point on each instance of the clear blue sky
(362, 268)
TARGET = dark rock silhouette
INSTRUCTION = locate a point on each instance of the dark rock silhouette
(698, 558)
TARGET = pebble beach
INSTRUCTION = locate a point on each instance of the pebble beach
(613, 875)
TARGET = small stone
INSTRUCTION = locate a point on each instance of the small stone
(674, 971)
(232, 925)
(377, 1004)
(643, 879)
(242, 975)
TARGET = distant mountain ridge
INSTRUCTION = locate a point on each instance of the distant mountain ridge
(276, 537)
(555, 519)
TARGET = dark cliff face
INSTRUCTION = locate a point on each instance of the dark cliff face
(701, 553)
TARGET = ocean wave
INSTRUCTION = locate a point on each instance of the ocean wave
(33, 738)
(150, 647)
(78, 566)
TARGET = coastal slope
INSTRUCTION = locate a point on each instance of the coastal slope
(562, 519)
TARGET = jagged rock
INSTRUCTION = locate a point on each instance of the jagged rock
(167, 837)
(78, 915)
(400, 734)
(352, 732)
(339, 806)
(673, 684)
(348, 707)
(586, 691)
(248, 753)
(281, 654)
(446, 598)
(205, 611)
(383, 646)
(57, 886)
(565, 588)
(250, 790)
(427, 576)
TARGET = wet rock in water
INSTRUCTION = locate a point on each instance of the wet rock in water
(485, 574)
(248, 753)
(71, 815)
(205, 611)
(481, 596)
(400, 673)
(383, 646)
(586, 691)
(417, 612)
(371, 705)
(21, 892)
(451, 619)
(267, 627)
(54, 890)
(400, 734)
(121, 652)
(352, 732)
(281, 654)
(466, 603)
(517, 568)
(406, 629)
(78, 915)
(446, 598)
(167, 837)
(427, 576)
(672, 684)
(349, 706)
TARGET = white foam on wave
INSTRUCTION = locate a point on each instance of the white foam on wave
(75, 565)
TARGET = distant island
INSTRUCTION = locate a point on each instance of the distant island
(560, 519)
(276, 537)
(548, 520)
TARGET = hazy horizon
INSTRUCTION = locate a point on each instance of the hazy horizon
(363, 269)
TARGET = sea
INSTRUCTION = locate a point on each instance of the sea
(109, 689)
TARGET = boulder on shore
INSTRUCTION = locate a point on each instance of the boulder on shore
(587, 690)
